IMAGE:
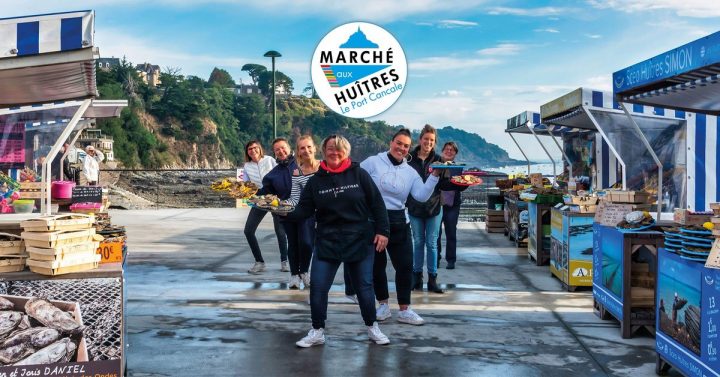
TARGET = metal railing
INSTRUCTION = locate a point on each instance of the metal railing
(190, 188)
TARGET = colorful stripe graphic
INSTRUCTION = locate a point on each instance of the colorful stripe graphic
(330, 75)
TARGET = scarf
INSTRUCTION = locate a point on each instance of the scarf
(343, 166)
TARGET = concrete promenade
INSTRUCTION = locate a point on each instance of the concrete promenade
(193, 310)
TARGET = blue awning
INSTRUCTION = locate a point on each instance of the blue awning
(685, 78)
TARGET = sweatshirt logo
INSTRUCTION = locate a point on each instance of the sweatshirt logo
(359, 70)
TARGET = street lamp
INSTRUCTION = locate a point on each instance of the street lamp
(273, 54)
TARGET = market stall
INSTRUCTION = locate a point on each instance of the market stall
(539, 206)
(47, 90)
(686, 79)
(624, 159)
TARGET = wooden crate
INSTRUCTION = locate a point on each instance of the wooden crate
(59, 238)
(78, 259)
(64, 270)
(60, 252)
(685, 217)
(11, 247)
(495, 230)
(58, 223)
(12, 263)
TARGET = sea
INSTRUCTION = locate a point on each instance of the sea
(545, 168)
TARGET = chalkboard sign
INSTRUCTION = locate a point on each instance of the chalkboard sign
(87, 194)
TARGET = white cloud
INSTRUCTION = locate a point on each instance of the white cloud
(444, 63)
(601, 82)
(547, 30)
(449, 93)
(482, 110)
(502, 49)
(453, 24)
(369, 10)
(529, 12)
(686, 8)
(593, 36)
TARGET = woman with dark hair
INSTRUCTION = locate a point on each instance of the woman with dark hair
(396, 180)
(256, 168)
(352, 225)
(450, 200)
(425, 215)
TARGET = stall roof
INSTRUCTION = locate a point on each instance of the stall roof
(47, 58)
(63, 110)
(522, 123)
(684, 78)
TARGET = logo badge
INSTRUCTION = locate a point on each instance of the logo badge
(359, 70)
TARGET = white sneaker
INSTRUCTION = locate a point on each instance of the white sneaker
(376, 335)
(313, 338)
(294, 282)
(383, 312)
(352, 298)
(257, 268)
(305, 277)
(409, 316)
(284, 266)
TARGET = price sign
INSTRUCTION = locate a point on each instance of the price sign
(610, 214)
(87, 194)
(110, 252)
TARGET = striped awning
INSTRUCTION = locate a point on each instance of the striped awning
(47, 58)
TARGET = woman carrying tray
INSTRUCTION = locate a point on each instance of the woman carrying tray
(425, 215)
(352, 225)
(256, 167)
(301, 233)
(396, 180)
(450, 200)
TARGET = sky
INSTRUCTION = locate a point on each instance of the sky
(472, 64)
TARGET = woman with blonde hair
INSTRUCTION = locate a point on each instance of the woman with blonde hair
(301, 233)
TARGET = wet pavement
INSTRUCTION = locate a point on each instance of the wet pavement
(193, 310)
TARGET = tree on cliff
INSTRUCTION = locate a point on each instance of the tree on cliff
(221, 77)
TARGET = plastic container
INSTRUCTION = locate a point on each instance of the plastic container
(23, 207)
(62, 189)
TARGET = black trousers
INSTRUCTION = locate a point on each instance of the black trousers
(451, 215)
(301, 239)
(400, 250)
(251, 225)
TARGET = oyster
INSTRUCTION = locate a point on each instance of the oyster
(49, 315)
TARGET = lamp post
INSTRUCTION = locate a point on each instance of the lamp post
(273, 54)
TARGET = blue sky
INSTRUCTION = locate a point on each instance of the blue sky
(472, 64)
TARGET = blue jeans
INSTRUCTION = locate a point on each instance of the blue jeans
(322, 275)
(425, 233)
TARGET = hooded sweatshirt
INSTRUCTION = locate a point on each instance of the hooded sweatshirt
(396, 182)
(343, 200)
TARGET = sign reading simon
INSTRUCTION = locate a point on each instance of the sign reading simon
(359, 70)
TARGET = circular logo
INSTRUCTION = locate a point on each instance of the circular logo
(359, 70)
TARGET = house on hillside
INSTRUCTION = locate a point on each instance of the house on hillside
(107, 64)
(245, 90)
(149, 73)
(94, 137)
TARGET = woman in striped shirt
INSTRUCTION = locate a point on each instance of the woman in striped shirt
(301, 234)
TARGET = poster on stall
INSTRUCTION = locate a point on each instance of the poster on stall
(61, 327)
(608, 268)
(688, 315)
(579, 240)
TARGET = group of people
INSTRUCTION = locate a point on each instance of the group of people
(391, 205)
